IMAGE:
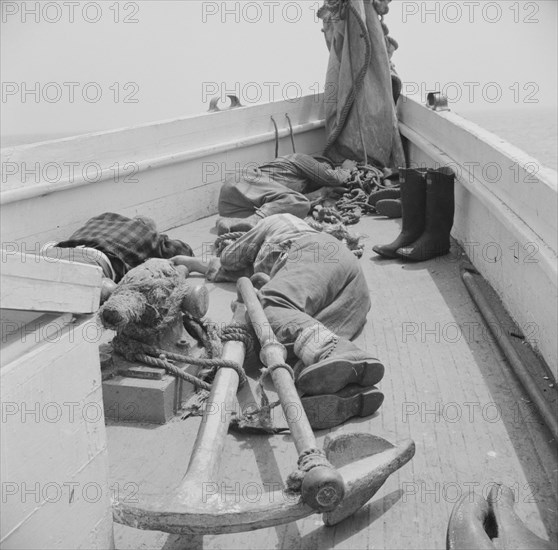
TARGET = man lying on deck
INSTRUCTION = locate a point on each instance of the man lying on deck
(316, 299)
(286, 185)
(116, 244)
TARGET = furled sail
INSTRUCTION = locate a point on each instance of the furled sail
(361, 83)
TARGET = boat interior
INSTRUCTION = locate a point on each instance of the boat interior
(448, 386)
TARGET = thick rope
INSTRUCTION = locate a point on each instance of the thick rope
(206, 332)
(157, 357)
(212, 364)
(172, 369)
(238, 333)
(338, 230)
(267, 371)
(306, 461)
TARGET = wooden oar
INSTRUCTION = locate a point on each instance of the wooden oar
(322, 487)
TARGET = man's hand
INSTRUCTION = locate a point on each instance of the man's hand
(216, 273)
(108, 286)
(192, 263)
(316, 197)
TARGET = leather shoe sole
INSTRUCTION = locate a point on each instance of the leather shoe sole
(334, 373)
(327, 411)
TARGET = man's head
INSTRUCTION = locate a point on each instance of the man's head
(175, 247)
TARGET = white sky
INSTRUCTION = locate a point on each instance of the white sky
(174, 55)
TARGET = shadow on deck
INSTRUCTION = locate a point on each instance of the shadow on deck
(447, 386)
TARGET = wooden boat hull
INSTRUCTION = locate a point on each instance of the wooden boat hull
(172, 171)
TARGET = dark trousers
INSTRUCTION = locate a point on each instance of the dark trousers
(242, 196)
(321, 281)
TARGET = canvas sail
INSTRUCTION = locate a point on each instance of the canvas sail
(361, 84)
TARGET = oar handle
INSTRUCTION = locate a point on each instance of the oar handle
(323, 488)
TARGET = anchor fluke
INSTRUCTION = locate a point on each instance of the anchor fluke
(366, 461)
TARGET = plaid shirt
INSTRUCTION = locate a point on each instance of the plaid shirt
(127, 242)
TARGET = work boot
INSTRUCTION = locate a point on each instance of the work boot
(329, 362)
(230, 225)
(412, 184)
(391, 208)
(435, 241)
(330, 410)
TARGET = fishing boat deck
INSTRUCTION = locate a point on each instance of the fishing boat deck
(447, 386)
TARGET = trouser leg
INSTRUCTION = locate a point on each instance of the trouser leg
(320, 283)
(242, 197)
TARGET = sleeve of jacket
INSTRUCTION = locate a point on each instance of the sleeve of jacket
(243, 252)
(318, 172)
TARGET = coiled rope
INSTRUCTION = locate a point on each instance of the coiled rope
(156, 357)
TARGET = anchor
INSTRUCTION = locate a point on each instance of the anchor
(336, 481)
(490, 524)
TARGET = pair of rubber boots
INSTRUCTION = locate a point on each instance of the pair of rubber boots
(427, 204)
(335, 377)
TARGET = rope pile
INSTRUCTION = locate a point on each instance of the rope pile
(364, 181)
(338, 230)
(134, 350)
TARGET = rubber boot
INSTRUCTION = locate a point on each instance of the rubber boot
(412, 184)
(329, 363)
(435, 241)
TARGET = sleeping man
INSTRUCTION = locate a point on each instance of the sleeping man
(286, 185)
(316, 300)
(117, 244)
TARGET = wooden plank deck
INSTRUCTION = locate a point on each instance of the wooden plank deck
(447, 386)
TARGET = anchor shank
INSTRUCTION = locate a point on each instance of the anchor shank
(273, 353)
(208, 448)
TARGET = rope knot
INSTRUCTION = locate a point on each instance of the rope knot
(236, 332)
(309, 459)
